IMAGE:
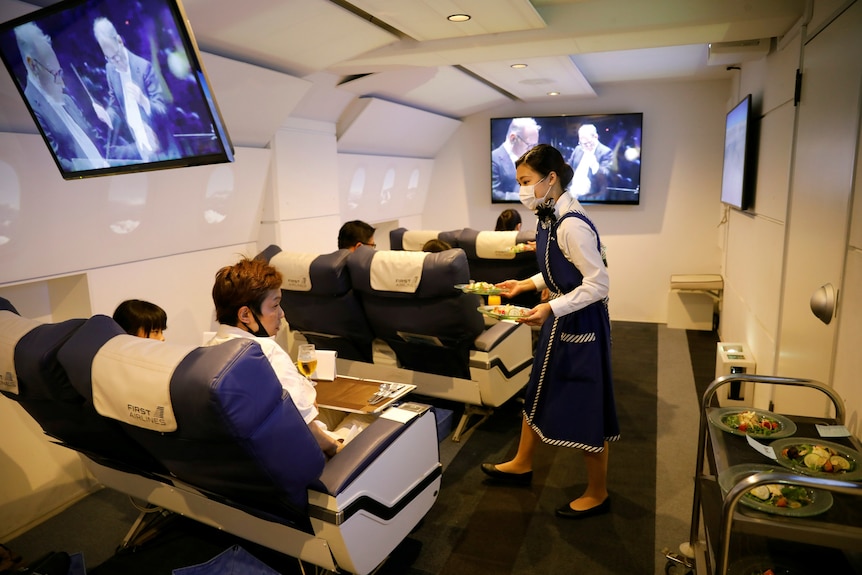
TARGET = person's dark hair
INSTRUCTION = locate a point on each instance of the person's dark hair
(507, 221)
(434, 245)
(134, 315)
(354, 232)
(245, 283)
(544, 159)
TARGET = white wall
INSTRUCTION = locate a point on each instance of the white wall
(72, 249)
(673, 230)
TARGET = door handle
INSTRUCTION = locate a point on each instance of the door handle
(823, 302)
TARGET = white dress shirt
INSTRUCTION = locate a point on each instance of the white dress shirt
(300, 389)
(577, 241)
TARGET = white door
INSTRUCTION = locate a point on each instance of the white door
(821, 188)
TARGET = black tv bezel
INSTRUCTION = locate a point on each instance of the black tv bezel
(584, 118)
(189, 44)
(746, 180)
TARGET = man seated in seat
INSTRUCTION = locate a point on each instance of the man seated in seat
(355, 233)
(247, 298)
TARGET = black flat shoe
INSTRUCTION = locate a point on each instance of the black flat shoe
(567, 512)
(491, 471)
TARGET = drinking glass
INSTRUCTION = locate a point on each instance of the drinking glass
(306, 361)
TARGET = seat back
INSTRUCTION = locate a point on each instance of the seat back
(213, 416)
(412, 304)
(319, 302)
(492, 260)
(34, 378)
(413, 240)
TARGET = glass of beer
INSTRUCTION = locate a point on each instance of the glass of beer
(306, 360)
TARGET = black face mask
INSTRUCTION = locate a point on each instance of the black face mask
(261, 331)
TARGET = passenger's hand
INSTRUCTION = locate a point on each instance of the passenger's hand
(531, 247)
(538, 315)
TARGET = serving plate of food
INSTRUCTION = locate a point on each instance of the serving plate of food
(505, 311)
(757, 423)
(521, 248)
(480, 288)
(818, 458)
(775, 498)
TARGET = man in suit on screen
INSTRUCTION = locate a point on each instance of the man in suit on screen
(134, 94)
(65, 127)
(592, 162)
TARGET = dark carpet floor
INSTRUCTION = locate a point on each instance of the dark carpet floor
(480, 527)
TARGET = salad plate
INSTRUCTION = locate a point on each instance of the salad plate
(504, 312)
(757, 423)
(776, 499)
(818, 458)
(480, 288)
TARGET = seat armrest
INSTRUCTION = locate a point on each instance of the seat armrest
(362, 450)
(494, 335)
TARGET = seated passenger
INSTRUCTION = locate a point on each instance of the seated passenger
(433, 246)
(247, 299)
(142, 318)
(507, 221)
(355, 233)
(510, 221)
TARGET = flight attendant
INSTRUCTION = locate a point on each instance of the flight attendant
(570, 397)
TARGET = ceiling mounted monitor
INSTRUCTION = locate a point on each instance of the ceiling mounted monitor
(115, 86)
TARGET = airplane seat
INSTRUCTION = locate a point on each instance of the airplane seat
(493, 259)
(319, 302)
(411, 303)
(34, 378)
(240, 455)
(214, 416)
(413, 240)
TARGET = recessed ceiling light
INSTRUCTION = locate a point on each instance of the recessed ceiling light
(553, 93)
(519, 66)
(458, 17)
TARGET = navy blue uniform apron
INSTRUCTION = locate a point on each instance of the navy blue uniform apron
(570, 396)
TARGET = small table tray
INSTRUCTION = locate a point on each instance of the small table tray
(351, 394)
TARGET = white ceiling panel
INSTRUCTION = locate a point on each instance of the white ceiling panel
(541, 76)
(253, 101)
(443, 88)
(377, 127)
(425, 20)
(295, 36)
(648, 64)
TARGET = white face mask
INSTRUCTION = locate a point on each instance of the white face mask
(527, 195)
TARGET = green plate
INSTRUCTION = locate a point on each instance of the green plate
(467, 288)
(718, 416)
(514, 312)
(821, 500)
(853, 456)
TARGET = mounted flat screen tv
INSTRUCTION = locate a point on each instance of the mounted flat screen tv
(115, 86)
(603, 149)
(737, 188)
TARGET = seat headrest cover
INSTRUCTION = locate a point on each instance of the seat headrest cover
(132, 378)
(496, 245)
(12, 328)
(397, 271)
(413, 240)
(295, 269)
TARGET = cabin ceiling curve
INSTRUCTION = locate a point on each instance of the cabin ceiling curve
(407, 52)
